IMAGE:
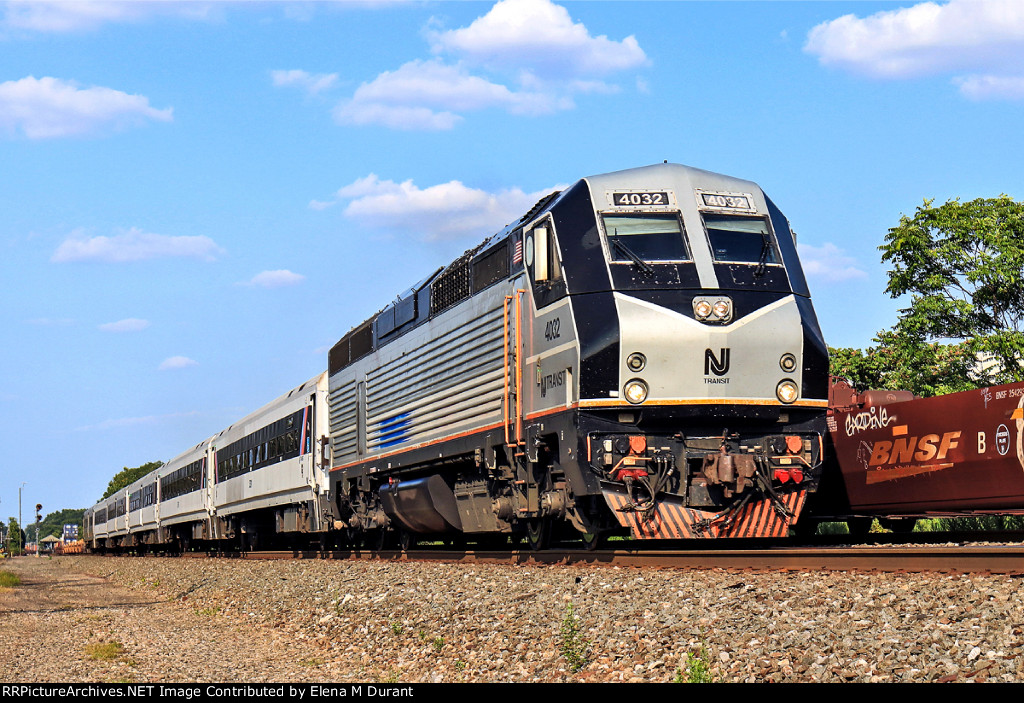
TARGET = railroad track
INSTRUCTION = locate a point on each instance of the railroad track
(994, 559)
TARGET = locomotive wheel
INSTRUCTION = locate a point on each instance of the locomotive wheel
(406, 540)
(352, 537)
(538, 534)
(378, 540)
(592, 540)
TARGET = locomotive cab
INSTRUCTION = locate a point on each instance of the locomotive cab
(702, 371)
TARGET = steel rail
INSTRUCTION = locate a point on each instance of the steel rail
(993, 559)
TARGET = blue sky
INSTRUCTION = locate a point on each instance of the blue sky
(200, 198)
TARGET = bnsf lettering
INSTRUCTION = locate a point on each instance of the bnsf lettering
(907, 449)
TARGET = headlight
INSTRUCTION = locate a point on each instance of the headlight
(723, 311)
(787, 363)
(713, 309)
(636, 362)
(635, 391)
(787, 391)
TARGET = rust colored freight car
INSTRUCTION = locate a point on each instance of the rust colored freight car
(900, 455)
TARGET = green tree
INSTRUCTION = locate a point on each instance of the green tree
(128, 476)
(15, 538)
(963, 266)
(896, 363)
(53, 523)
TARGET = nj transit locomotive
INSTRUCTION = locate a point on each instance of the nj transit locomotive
(637, 353)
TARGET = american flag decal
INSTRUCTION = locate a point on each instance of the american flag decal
(517, 251)
(672, 520)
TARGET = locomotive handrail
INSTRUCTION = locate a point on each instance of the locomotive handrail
(518, 380)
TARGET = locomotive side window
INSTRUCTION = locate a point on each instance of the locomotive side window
(542, 254)
(740, 239)
(648, 236)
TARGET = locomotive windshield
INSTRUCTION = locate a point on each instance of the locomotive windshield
(740, 239)
(648, 237)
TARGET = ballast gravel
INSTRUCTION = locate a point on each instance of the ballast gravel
(211, 620)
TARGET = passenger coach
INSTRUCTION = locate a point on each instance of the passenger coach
(264, 478)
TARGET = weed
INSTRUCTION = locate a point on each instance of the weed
(396, 628)
(423, 635)
(208, 611)
(574, 645)
(391, 676)
(697, 666)
(9, 580)
(312, 662)
(438, 644)
(104, 651)
(460, 665)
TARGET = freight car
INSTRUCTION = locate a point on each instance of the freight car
(897, 455)
(637, 353)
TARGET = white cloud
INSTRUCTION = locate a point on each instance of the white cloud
(985, 87)
(828, 261)
(275, 279)
(427, 94)
(86, 15)
(312, 83)
(134, 245)
(526, 57)
(982, 41)
(177, 362)
(440, 212)
(49, 107)
(541, 36)
(130, 324)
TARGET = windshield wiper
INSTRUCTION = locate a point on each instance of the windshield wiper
(644, 267)
(766, 248)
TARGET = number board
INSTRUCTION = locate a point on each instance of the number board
(731, 202)
(639, 198)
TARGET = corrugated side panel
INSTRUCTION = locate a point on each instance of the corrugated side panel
(443, 379)
(342, 403)
(453, 383)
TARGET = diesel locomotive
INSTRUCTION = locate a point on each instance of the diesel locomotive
(638, 353)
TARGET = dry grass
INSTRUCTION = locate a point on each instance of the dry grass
(104, 651)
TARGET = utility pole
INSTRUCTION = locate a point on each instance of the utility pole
(39, 517)
(21, 547)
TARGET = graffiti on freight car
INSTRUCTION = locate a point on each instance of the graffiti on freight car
(875, 418)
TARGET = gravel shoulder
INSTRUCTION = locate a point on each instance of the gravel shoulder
(205, 620)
